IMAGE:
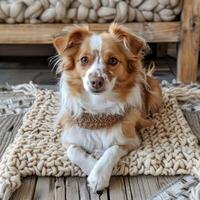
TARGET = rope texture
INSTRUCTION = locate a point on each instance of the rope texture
(97, 121)
(88, 11)
(168, 147)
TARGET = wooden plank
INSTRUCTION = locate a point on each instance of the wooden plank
(193, 119)
(59, 188)
(49, 188)
(72, 188)
(143, 187)
(44, 189)
(128, 187)
(117, 190)
(83, 189)
(189, 42)
(44, 33)
(26, 190)
(8, 126)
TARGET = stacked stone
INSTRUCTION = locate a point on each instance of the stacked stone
(88, 11)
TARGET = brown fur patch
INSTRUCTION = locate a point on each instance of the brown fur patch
(152, 95)
(134, 121)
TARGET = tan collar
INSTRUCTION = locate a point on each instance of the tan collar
(98, 121)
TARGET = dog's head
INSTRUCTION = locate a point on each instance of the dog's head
(98, 63)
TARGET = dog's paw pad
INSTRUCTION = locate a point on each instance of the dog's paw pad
(99, 192)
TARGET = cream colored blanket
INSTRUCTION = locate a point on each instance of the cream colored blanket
(168, 148)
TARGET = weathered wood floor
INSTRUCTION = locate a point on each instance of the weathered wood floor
(75, 188)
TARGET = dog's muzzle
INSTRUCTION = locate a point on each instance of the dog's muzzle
(96, 83)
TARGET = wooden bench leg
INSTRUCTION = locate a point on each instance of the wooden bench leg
(189, 42)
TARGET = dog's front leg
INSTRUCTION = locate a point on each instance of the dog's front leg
(100, 175)
(81, 158)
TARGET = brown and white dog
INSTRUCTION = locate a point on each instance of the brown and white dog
(102, 73)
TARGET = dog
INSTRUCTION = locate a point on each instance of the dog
(106, 97)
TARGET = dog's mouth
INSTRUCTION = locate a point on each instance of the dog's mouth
(97, 91)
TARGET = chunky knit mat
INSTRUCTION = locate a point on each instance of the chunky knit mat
(168, 148)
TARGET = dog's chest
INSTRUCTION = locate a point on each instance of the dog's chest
(95, 140)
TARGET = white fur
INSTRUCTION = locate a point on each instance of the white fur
(97, 69)
(96, 42)
(68, 102)
(95, 103)
(100, 142)
(135, 97)
(100, 175)
(103, 142)
(79, 157)
(97, 140)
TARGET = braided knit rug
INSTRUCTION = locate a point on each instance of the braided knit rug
(168, 147)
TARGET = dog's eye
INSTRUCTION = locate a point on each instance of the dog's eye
(84, 60)
(112, 61)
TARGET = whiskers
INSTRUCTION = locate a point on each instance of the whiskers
(54, 63)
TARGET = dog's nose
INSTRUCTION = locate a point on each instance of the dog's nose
(96, 82)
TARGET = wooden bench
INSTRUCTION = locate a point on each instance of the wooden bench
(186, 32)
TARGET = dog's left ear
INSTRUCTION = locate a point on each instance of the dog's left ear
(60, 43)
(132, 42)
(71, 40)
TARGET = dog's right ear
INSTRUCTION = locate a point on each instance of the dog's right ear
(72, 40)
(135, 44)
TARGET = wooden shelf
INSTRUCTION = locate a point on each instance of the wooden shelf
(45, 33)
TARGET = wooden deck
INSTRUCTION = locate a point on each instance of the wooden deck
(75, 188)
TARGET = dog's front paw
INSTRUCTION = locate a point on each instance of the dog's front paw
(98, 180)
(72, 152)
